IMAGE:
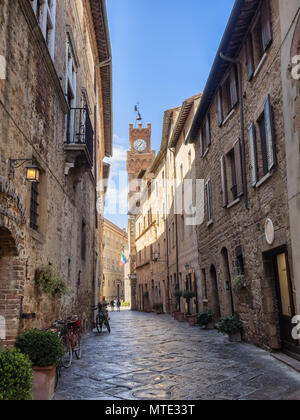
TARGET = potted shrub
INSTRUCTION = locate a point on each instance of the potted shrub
(205, 319)
(15, 376)
(44, 349)
(177, 314)
(232, 326)
(188, 296)
(158, 308)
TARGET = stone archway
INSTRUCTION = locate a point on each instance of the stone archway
(12, 278)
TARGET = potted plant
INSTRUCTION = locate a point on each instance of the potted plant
(238, 282)
(15, 376)
(188, 295)
(205, 319)
(44, 349)
(177, 314)
(232, 326)
(158, 308)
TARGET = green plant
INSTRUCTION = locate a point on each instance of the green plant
(51, 282)
(204, 318)
(230, 324)
(146, 295)
(188, 295)
(238, 282)
(125, 304)
(177, 295)
(15, 376)
(43, 348)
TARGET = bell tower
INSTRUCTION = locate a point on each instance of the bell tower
(140, 156)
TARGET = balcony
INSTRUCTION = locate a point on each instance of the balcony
(79, 142)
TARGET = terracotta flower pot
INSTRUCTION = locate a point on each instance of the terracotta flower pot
(191, 320)
(43, 383)
(180, 316)
(235, 337)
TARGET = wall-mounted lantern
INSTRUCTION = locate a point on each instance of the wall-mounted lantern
(32, 170)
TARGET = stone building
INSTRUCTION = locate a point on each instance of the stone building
(240, 133)
(165, 234)
(55, 114)
(115, 243)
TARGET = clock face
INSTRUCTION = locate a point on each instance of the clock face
(140, 145)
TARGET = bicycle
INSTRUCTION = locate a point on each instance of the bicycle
(69, 334)
(102, 318)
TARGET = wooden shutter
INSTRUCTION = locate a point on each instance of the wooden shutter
(270, 140)
(239, 167)
(253, 155)
(201, 143)
(207, 128)
(220, 108)
(233, 88)
(208, 201)
(250, 59)
(224, 181)
(266, 24)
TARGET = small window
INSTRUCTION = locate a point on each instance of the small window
(231, 175)
(229, 94)
(205, 136)
(34, 205)
(208, 198)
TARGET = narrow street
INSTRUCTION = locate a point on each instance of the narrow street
(151, 357)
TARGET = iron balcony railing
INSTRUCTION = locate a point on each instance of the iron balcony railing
(80, 130)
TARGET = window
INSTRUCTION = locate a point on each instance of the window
(205, 136)
(34, 205)
(208, 197)
(240, 267)
(228, 95)
(204, 285)
(190, 160)
(259, 39)
(231, 175)
(262, 154)
(45, 11)
(71, 81)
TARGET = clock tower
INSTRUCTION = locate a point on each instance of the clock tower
(140, 156)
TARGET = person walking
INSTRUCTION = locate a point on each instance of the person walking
(119, 305)
(112, 305)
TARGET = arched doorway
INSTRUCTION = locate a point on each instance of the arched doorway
(227, 281)
(12, 276)
(215, 301)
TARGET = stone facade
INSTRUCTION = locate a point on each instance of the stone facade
(247, 234)
(61, 226)
(115, 242)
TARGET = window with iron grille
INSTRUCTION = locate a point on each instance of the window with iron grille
(34, 205)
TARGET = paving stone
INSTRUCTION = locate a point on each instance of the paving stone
(147, 357)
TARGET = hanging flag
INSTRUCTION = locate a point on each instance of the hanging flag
(123, 259)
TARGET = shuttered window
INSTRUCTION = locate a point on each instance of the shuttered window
(220, 108)
(250, 57)
(252, 155)
(204, 136)
(262, 154)
(34, 205)
(228, 97)
(266, 24)
(209, 201)
(232, 174)
(224, 181)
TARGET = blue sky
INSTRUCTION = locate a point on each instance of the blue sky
(162, 51)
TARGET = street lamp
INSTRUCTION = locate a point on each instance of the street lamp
(32, 170)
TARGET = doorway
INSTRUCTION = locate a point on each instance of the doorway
(285, 304)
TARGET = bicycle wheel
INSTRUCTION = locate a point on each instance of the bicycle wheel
(67, 358)
(99, 324)
(107, 326)
(77, 347)
(57, 377)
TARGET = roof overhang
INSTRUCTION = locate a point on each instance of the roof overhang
(99, 15)
(236, 30)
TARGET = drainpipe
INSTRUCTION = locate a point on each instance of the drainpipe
(241, 99)
(167, 234)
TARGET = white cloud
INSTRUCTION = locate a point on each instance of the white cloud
(118, 161)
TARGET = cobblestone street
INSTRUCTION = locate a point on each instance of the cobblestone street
(151, 357)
